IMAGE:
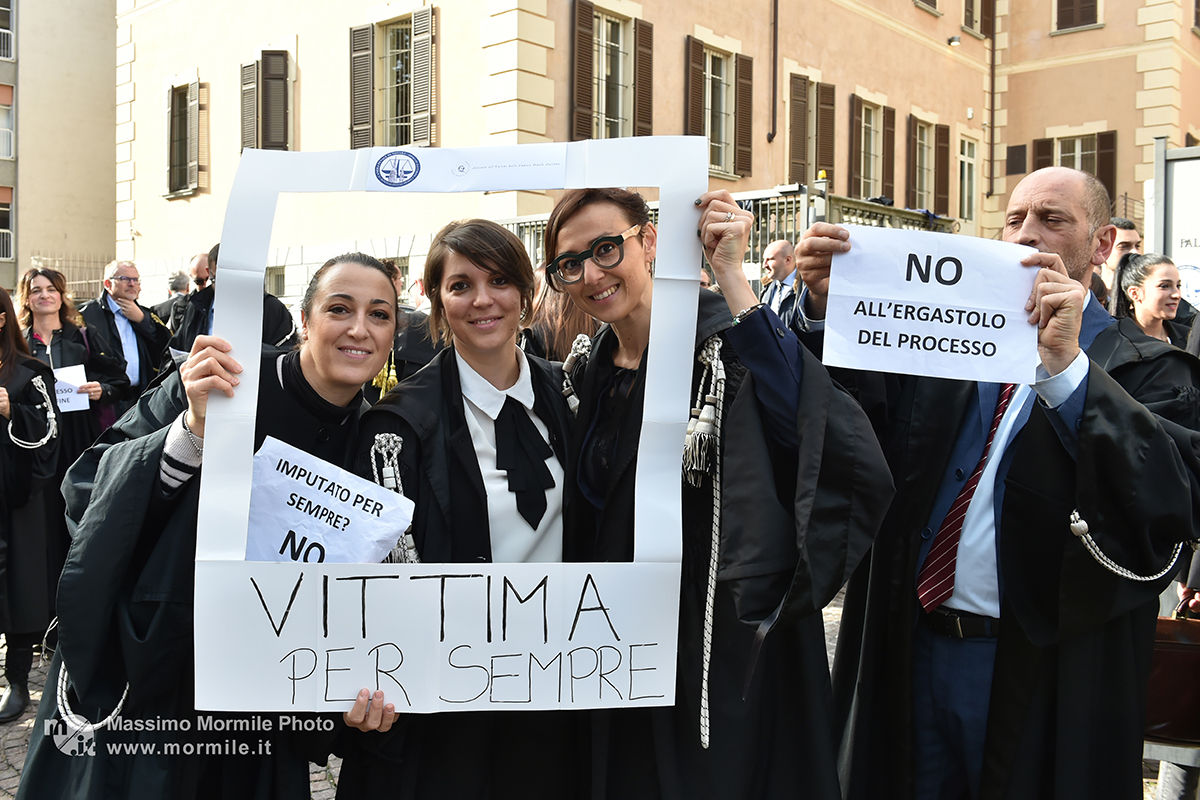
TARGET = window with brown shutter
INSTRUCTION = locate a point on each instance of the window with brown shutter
(643, 78)
(743, 116)
(693, 88)
(826, 147)
(1043, 153)
(273, 100)
(1075, 14)
(888, 188)
(969, 14)
(250, 105)
(856, 146)
(362, 86)
(798, 130)
(1014, 162)
(941, 177)
(1106, 161)
(987, 25)
(582, 64)
(423, 93)
(187, 147)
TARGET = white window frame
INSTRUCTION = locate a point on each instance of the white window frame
(1077, 152)
(405, 108)
(968, 170)
(395, 107)
(870, 175)
(719, 109)
(7, 134)
(924, 169)
(612, 76)
(7, 35)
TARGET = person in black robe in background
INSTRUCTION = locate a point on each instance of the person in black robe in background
(28, 457)
(278, 327)
(126, 595)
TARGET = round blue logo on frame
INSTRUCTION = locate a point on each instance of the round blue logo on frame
(397, 168)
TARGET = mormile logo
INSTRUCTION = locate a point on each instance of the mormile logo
(70, 740)
(397, 168)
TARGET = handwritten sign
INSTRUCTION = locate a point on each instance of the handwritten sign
(442, 637)
(935, 304)
(67, 381)
(306, 636)
(306, 509)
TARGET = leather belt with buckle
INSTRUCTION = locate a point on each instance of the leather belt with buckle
(961, 624)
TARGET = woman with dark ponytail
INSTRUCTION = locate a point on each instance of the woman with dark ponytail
(1147, 291)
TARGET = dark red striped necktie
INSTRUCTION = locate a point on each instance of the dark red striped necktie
(935, 583)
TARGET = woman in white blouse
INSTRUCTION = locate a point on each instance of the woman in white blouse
(477, 440)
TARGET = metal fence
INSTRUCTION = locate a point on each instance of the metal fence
(84, 273)
(1131, 209)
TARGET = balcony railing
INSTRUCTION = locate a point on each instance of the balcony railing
(6, 45)
(849, 211)
(6, 250)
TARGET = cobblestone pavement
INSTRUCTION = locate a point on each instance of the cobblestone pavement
(14, 737)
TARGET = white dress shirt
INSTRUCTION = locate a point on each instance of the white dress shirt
(513, 540)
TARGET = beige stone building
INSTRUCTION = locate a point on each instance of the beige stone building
(56, 116)
(905, 99)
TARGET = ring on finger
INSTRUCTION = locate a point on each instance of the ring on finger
(728, 216)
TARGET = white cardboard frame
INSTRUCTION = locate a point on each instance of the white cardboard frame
(306, 637)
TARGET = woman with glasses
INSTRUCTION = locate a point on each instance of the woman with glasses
(477, 439)
(784, 486)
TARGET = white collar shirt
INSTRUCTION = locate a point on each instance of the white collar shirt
(512, 538)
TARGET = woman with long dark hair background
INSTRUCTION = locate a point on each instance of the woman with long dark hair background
(28, 449)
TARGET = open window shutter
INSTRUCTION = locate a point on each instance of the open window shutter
(856, 144)
(826, 147)
(1066, 14)
(889, 152)
(798, 130)
(693, 89)
(1106, 162)
(743, 116)
(422, 77)
(583, 72)
(941, 170)
(193, 135)
(170, 149)
(1043, 153)
(987, 24)
(362, 112)
(910, 170)
(250, 105)
(273, 100)
(1014, 160)
(643, 78)
(1188, 139)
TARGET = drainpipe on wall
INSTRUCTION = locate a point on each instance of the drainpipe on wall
(774, 68)
(992, 107)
